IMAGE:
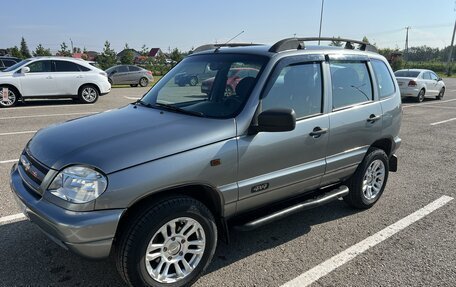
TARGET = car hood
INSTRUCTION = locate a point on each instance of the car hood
(5, 74)
(121, 138)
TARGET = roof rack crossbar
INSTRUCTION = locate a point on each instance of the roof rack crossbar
(216, 46)
(298, 43)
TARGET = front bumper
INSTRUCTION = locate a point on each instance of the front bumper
(89, 234)
(105, 88)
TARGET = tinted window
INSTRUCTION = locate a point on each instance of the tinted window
(351, 83)
(17, 65)
(433, 76)
(133, 68)
(426, 76)
(297, 87)
(1, 64)
(8, 63)
(122, 69)
(82, 68)
(384, 81)
(409, 74)
(65, 66)
(40, 67)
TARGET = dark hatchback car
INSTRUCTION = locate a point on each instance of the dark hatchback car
(6, 62)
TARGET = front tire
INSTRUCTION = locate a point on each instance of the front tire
(367, 184)
(193, 81)
(169, 244)
(13, 97)
(88, 94)
(441, 94)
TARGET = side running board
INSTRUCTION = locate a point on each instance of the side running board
(308, 204)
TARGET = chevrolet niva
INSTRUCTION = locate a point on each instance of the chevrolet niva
(156, 183)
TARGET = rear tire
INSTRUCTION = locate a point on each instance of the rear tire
(143, 82)
(88, 94)
(170, 225)
(441, 94)
(367, 184)
(13, 97)
(420, 97)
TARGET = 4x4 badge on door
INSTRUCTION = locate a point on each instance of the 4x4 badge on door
(260, 187)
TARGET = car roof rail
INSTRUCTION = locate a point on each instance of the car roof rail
(217, 46)
(298, 43)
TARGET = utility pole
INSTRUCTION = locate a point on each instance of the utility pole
(451, 51)
(72, 48)
(406, 45)
(321, 20)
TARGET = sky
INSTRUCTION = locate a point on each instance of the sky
(186, 24)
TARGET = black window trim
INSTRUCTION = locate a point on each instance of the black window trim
(392, 79)
(352, 60)
(294, 61)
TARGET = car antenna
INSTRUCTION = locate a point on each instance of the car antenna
(216, 49)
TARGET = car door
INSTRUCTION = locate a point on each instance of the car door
(134, 74)
(121, 75)
(428, 84)
(68, 77)
(437, 85)
(39, 81)
(356, 116)
(277, 165)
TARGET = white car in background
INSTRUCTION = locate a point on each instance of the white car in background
(419, 83)
(52, 77)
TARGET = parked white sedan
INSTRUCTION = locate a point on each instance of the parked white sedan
(52, 77)
(419, 83)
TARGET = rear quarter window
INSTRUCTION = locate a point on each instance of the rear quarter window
(385, 84)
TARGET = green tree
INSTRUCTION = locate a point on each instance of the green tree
(15, 52)
(64, 50)
(76, 50)
(41, 51)
(108, 57)
(127, 57)
(24, 49)
(175, 55)
(365, 40)
(336, 43)
(144, 50)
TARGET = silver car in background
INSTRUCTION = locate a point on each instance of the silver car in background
(129, 75)
(419, 83)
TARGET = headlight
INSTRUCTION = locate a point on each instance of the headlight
(78, 184)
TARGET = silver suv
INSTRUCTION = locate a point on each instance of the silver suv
(156, 183)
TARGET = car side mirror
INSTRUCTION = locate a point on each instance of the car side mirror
(439, 79)
(276, 120)
(25, 70)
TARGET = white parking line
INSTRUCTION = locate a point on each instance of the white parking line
(425, 104)
(11, 218)
(8, 161)
(17, 133)
(345, 256)
(49, 106)
(132, 98)
(48, 115)
(442, 122)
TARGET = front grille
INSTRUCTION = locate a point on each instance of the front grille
(32, 172)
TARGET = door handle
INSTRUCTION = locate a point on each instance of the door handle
(79, 77)
(373, 118)
(317, 132)
(49, 77)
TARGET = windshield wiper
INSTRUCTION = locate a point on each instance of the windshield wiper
(144, 104)
(179, 110)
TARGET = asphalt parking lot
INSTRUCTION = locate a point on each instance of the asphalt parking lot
(419, 254)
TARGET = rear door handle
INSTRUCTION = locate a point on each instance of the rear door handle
(373, 118)
(317, 132)
(49, 77)
(80, 76)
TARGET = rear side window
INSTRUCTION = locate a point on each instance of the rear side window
(122, 69)
(65, 66)
(385, 82)
(351, 83)
(133, 69)
(8, 63)
(297, 87)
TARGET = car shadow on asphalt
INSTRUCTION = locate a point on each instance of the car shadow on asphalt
(245, 243)
(33, 259)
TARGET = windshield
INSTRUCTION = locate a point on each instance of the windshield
(410, 74)
(15, 66)
(201, 85)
